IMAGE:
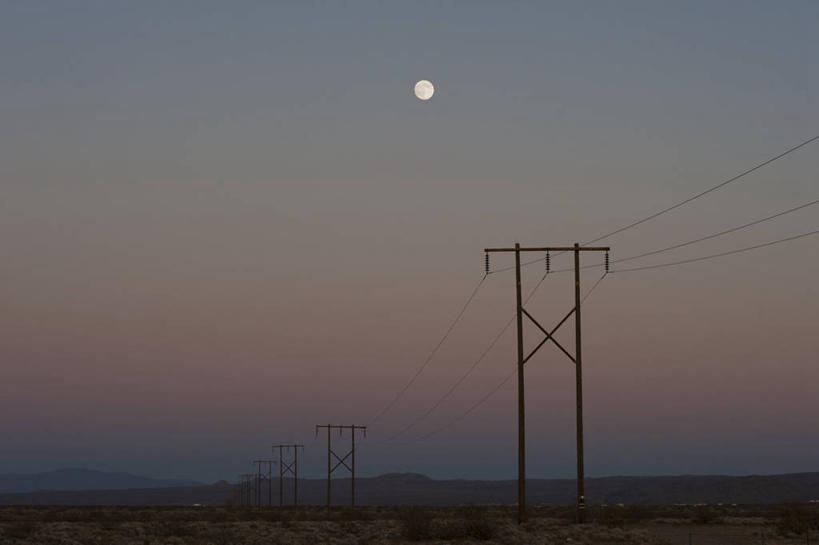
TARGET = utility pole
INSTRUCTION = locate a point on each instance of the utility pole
(258, 492)
(341, 460)
(248, 482)
(292, 468)
(576, 359)
(269, 482)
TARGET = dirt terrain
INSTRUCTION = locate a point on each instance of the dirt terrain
(682, 525)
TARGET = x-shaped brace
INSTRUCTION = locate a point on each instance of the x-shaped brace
(549, 335)
(288, 468)
(341, 461)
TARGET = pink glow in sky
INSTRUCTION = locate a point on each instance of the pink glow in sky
(218, 231)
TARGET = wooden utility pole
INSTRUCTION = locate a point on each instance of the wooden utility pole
(342, 460)
(521, 392)
(292, 468)
(522, 359)
(248, 486)
(269, 482)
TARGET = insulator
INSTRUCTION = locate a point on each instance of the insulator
(486, 263)
(607, 262)
(548, 262)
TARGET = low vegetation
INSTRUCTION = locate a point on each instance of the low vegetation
(607, 525)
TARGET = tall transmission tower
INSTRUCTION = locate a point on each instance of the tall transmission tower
(288, 467)
(577, 359)
(341, 460)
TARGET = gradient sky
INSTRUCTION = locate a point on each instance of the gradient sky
(224, 223)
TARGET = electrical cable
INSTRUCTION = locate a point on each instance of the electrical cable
(707, 191)
(489, 394)
(431, 354)
(685, 201)
(721, 254)
(468, 371)
(696, 240)
(715, 235)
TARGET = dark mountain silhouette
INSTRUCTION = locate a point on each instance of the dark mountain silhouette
(415, 489)
(81, 479)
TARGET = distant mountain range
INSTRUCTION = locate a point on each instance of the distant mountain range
(81, 479)
(414, 489)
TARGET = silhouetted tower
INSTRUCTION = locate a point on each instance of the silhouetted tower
(247, 479)
(342, 461)
(288, 467)
(577, 359)
(260, 478)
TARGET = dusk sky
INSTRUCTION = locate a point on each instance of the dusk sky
(222, 223)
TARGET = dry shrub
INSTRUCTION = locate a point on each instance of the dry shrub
(612, 516)
(476, 524)
(219, 515)
(468, 523)
(225, 534)
(797, 520)
(618, 516)
(20, 530)
(348, 514)
(416, 524)
(169, 528)
(704, 514)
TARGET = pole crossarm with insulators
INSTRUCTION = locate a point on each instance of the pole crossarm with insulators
(291, 468)
(549, 336)
(341, 460)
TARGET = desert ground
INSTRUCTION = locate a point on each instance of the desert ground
(676, 525)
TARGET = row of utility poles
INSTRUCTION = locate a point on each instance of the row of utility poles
(251, 486)
(249, 490)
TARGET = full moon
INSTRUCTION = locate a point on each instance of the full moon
(424, 89)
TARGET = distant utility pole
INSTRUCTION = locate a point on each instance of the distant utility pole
(577, 359)
(292, 468)
(341, 460)
(241, 490)
(269, 481)
(247, 479)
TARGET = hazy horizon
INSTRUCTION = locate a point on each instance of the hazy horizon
(221, 225)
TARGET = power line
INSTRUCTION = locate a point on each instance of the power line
(468, 371)
(607, 235)
(707, 191)
(715, 235)
(583, 300)
(686, 201)
(491, 392)
(431, 354)
(721, 254)
(508, 377)
(696, 240)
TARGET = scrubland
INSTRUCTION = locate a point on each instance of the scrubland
(683, 525)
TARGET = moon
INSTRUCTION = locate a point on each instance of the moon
(424, 89)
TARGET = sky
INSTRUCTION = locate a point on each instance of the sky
(222, 223)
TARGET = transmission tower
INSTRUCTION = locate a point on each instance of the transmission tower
(577, 359)
(342, 460)
(288, 467)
